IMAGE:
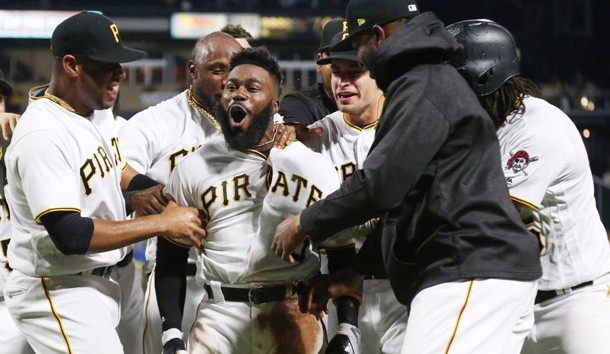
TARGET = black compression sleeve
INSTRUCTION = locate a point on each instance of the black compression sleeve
(140, 182)
(70, 232)
(369, 259)
(127, 197)
(340, 258)
(170, 282)
(347, 310)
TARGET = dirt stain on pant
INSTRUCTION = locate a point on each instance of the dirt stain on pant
(292, 331)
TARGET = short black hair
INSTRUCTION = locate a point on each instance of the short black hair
(237, 31)
(260, 56)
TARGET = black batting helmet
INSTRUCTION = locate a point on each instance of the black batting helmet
(489, 57)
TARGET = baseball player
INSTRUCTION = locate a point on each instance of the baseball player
(245, 188)
(65, 172)
(241, 35)
(346, 139)
(12, 340)
(453, 246)
(548, 175)
(156, 139)
(315, 102)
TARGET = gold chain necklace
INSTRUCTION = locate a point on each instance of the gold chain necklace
(193, 102)
(59, 101)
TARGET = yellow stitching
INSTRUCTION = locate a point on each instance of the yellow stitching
(51, 210)
(525, 202)
(459, 317)
(56, 315)
(151, 281)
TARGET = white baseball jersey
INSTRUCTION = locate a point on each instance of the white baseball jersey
(298, 178)
(231, 188)
(547, 168)
(61, 161)
(12, 340)
(5, 223)
(347, 146)
(154, 140)
(381, 319)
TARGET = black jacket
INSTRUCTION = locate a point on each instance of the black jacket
(307, 106)
(433, 173)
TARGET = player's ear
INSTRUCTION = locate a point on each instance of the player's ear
(191, 68)
(69, 64)
(379, 33)
(276, 106)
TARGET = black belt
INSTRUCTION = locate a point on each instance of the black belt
(257, 295)
(126, 260)
(104, 272)
(543, 295)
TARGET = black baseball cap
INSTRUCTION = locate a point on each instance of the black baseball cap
(5, 88)
(92, 35)
(331, 28)
(362, 15)
(347, 55)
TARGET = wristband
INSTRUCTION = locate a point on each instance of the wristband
(170, 334)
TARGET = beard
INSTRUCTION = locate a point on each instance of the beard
(251, 137)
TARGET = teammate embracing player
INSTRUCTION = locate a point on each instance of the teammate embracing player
(453, 246)
(65, 174)
(245, 188)
(156, 139)
(550, 182)
(346, 138)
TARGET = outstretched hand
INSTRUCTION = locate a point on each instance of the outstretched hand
(328, 286)
(148, 201)
(8, 122)
(303, 133)
(289, 132)
(288, 236)
(183, 225)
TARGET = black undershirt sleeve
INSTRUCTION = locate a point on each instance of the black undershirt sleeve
(137, 183)
(140, 182)
(170, 282)
(70, 232)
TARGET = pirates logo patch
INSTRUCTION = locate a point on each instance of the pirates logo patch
(519, 161)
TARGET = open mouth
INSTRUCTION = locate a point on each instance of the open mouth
(237, 114)
(344, 96)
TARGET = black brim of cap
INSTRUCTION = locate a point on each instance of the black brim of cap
(5, 88)
(348, 55)
(122, 55)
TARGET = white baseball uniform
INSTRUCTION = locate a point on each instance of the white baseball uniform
(382, 320)
(61, 161)
(246, 195)
(11, 340)
(131, 325)
(153, 142)
(547, 170)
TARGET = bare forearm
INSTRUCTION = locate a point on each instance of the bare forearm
(109, 235)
